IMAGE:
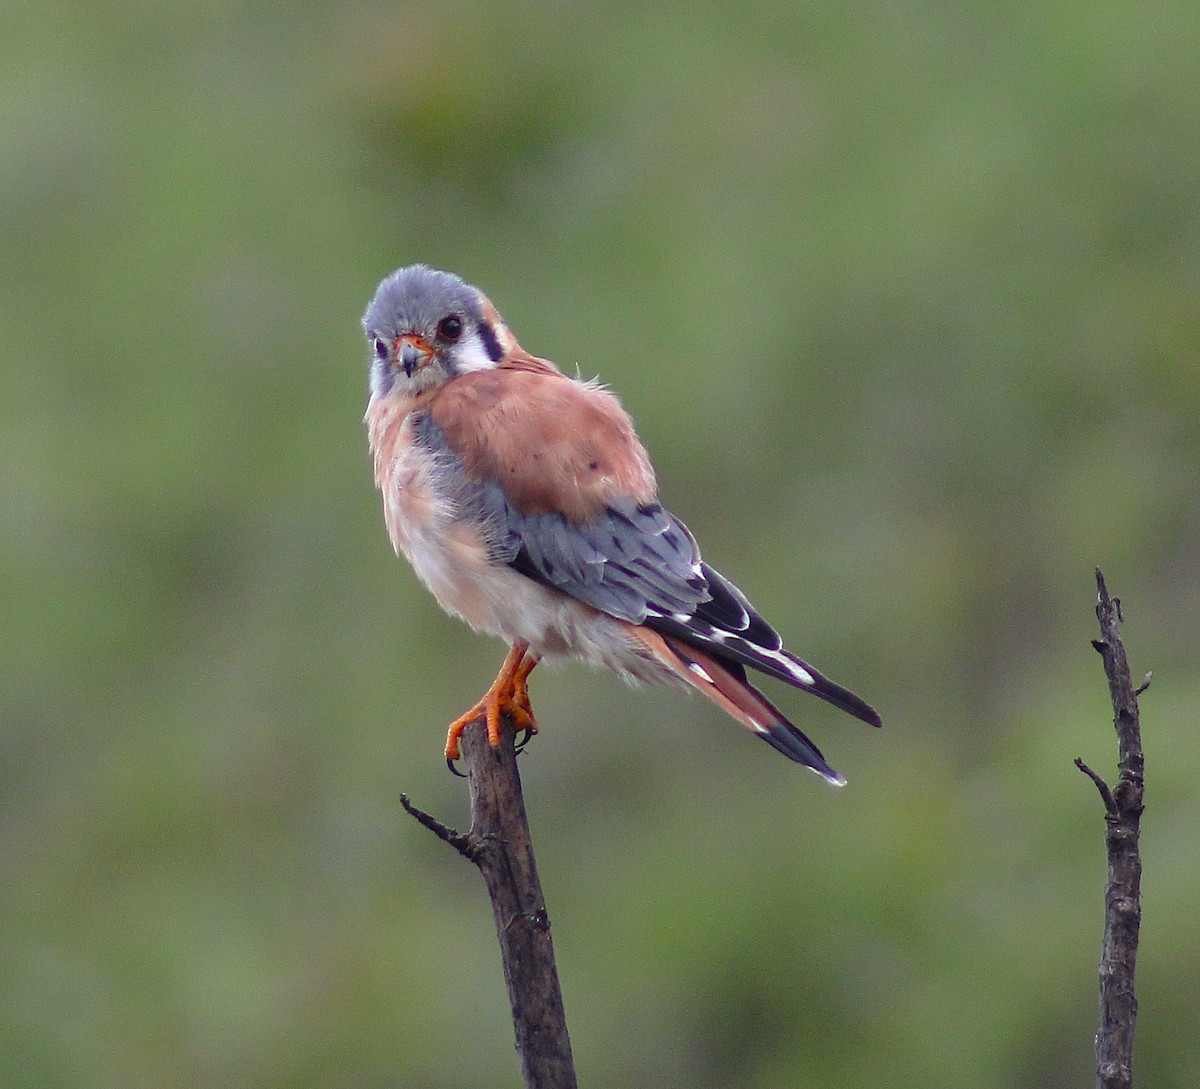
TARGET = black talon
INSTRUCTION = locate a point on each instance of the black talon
(453, 769)
(526, 734)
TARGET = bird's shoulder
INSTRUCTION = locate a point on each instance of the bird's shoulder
(552, 443)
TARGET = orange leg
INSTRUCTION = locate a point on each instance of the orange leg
(509, 692)
(521, 692)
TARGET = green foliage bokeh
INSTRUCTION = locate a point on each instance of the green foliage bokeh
(904, 300)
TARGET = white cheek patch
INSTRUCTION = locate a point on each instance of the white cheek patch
(470, 355)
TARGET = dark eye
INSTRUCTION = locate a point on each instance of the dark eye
(450, 328)
(381, 347)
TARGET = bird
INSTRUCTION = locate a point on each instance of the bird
(524, 500)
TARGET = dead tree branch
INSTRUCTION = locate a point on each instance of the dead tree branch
(499, 844)
(1122, 895)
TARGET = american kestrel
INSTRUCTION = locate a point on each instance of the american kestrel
(525, 501)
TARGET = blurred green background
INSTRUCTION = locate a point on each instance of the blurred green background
(904, 300)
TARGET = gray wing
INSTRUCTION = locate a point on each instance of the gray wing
(639, 563)
(634, 561)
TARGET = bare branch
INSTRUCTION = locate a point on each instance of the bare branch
(1122, 895)
(499, 843)
(461, 843)
(1110, 803)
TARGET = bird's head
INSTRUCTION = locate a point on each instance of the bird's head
(426, 327)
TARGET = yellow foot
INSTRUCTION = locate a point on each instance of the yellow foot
(509, 693)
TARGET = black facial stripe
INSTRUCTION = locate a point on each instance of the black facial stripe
(491, 343)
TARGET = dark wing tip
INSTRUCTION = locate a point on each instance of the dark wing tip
(790, 741)
(844, 698)
(728, 626)
(785, 737)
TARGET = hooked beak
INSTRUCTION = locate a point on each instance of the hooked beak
(413, 353)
